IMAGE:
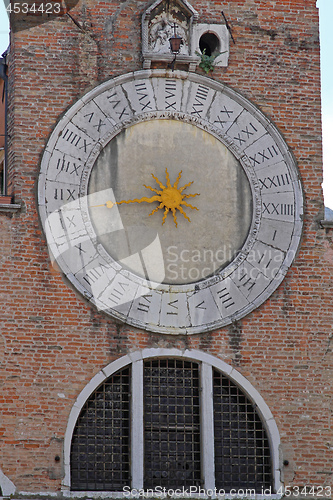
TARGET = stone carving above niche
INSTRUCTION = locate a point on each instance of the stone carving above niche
(165, 18)
(160, 33)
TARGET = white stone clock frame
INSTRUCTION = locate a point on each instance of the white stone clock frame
(274, 235)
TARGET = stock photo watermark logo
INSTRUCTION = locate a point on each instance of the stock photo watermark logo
(194, 264)
(77, 243)
(36, 11)
(71, 243)
(190, 265)
(196, 492)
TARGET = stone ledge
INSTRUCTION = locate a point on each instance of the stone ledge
(327, 223)
(10, 207)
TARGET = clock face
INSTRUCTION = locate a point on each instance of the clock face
(220, 195)
(170, 202)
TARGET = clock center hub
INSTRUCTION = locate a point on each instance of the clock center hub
(171, 198)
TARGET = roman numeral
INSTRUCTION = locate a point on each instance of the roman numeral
(287, 209)
(220, 121)
(278, 208)
(99, 125)
(67, 166)
(246, 281)
(141, 90)
(248, 132)
(275, 181)
(118, 293)
(199, 100)
(261, 258)
(170, 94)
(90, 116)
(84, 145)
(239, 139)
(80, 249)
(271, 208)
(264, 155)
(255, 160)
(62, 165)
(94, 274)
(71, 137)
(200, 306)
(100, 122)
(75, 139)
(64, 194)
(174, 305)
(71, 193)
(225, 297)
(71, 221)
(223, 116)
(228, 112)
(116, 102)
(144, 303)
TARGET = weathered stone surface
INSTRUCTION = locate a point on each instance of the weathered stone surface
(56, 340)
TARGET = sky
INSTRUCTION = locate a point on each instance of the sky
(326, 39)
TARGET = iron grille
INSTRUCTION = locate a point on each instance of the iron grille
(242, 452)
(100, 445)
(171, 423)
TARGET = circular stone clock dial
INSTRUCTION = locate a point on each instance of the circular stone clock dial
(170, 202)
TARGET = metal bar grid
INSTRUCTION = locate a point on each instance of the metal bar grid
(242, 452)
(100, 457)
(172, 423)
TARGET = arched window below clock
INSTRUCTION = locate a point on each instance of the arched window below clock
(163, 418)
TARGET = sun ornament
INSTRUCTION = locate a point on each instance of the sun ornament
(170, 198)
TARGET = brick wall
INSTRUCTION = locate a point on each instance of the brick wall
(52, 342)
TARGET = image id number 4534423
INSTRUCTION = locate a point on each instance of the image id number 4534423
(306, 491)
(34, 8)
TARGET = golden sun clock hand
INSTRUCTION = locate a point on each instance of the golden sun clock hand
(170, 198)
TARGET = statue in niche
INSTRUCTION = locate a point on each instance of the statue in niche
(160, 34)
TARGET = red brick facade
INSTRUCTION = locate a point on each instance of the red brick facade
(52, 342)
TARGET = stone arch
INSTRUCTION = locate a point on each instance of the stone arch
(208, 362)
